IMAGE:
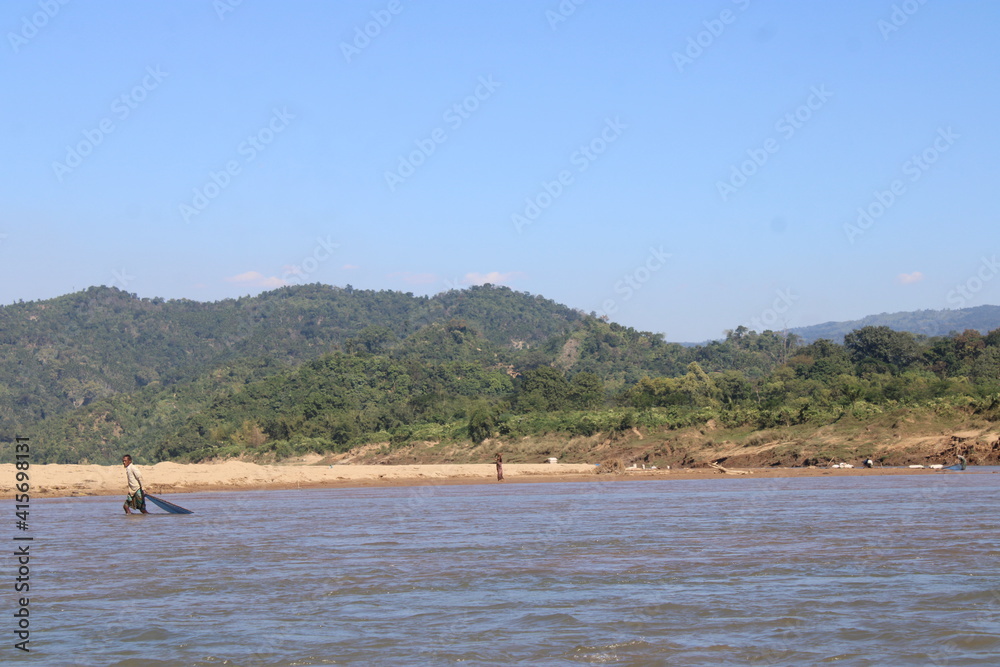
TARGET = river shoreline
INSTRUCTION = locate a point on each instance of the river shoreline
(65, 480)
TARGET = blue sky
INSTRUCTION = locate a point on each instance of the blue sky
(684, 168)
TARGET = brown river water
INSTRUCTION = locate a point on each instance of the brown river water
(879, 570)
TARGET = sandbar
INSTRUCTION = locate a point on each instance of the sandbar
(67, 480)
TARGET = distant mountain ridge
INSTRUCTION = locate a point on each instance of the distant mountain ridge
(922, 322)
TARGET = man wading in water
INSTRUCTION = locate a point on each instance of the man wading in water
(135, 499)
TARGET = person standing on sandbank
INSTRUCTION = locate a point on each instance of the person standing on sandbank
(499, 460)
(136, 499)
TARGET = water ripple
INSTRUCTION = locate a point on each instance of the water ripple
(855, 571)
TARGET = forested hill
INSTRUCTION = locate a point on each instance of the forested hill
(324, 369)
(923, 322)
(95, 371)
(67, 352)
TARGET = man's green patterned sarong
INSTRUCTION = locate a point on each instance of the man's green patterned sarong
(136, 501)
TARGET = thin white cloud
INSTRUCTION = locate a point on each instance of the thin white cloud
(350, 267)
(256, 279)
(273, 282)
(493, 277)
(909, 278)
(248, 277)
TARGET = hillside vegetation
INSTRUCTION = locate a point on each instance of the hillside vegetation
(391, 377)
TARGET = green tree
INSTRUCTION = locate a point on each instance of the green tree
(821, 360)
(586, 391)
(699, 386)
(733, 387)
(373, 339)
(880, 349)
(543, 389)
(481, 423)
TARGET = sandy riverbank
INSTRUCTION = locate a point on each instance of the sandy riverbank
(57, 480)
